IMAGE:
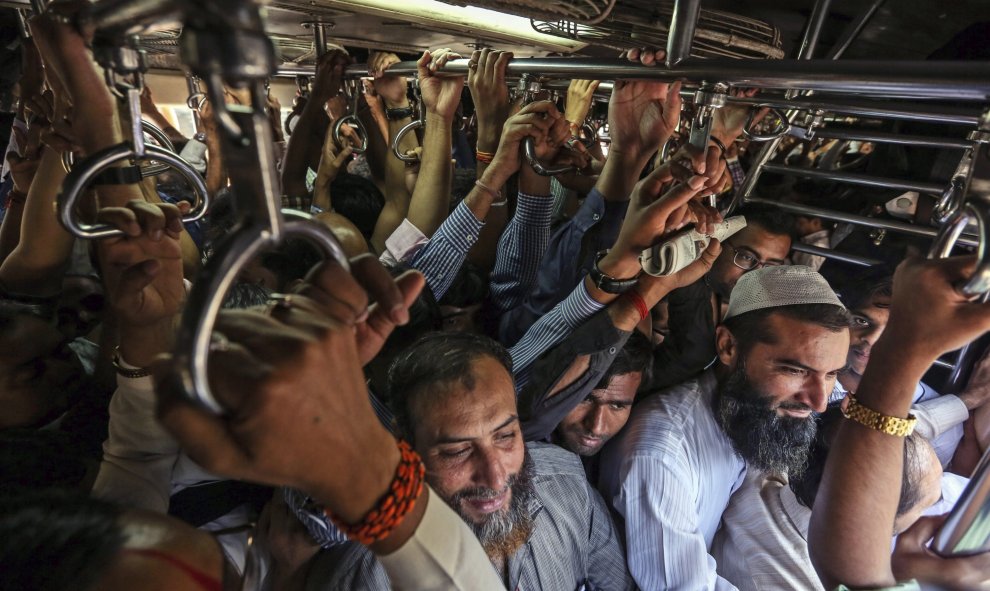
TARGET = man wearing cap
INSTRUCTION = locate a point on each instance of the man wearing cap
(670, 474)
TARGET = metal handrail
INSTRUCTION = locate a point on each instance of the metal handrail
(979, 212)
(780, 131)
(352, 117)
(397, 140)
(68, 158)
(86, 171)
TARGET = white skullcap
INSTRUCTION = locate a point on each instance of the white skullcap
(774, 287)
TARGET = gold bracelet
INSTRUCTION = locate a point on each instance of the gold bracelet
(127, 372)
(898, 427)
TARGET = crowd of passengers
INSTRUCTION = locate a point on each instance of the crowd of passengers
(493, 395)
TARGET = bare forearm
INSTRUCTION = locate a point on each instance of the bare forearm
(853, 517)
(431, 197)
(299, 148)
(621, 172)
(10, 231)
(397, 196)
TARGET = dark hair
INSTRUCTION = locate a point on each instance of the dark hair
(771, 219)
(435, 361)
(805, 486)
(752, 327)
(469, 287)
(860, 292)
(635, 356)
(32, 459)
(54, 541)
(359, 200)
(244, 295)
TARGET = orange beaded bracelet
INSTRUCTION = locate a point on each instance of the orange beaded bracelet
(388, 514)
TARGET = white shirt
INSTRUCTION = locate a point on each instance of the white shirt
(763, 542)
(669, 475)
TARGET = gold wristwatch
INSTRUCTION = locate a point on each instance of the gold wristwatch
(851, 409)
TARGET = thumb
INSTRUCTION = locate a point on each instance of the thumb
(699, 267)
(921, 531)
(132, 283)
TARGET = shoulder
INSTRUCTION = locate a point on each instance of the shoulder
(552, 460)
(349, 566)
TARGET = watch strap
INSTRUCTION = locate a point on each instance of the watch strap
(868, 417)
(607, 283)
(399, 113)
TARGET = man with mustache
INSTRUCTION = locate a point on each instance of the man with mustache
(670, 474)
(541, 523)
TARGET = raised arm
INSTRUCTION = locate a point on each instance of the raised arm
(852, 521)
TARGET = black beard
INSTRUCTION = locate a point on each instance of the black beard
(503, 532)
(766, 440)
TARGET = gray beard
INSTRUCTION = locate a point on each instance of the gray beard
(503, 532)
(766, 440)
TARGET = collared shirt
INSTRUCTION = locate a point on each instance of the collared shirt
(820, 239)
(669, 476)
(573, 543)
(567, 259)
(520, 249)
(600, 340)
(763, 542)
(442, 257)
(737, 173)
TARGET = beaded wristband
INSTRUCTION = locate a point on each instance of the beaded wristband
(640, 304)
(388, 514)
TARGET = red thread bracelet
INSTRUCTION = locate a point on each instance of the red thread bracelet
(485, 157)
(640, 304)
(391, 509)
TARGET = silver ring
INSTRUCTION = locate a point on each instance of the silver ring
(219, 343)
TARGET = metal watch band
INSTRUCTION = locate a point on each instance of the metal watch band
(868, 417)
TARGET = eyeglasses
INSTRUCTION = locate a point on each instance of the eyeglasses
(747, 260)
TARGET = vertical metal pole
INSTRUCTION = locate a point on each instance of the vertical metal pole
(320, 39)
(681, 33)
(38, 6)
(854, 29)
(814, 28)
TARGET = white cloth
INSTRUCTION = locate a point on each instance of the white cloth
(403, 244)
(669, 476)
(763, 542)
(819, 239)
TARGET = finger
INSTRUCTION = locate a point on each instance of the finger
(331, 283)
(120, 218)
(500, 67)
(655, 181)
(647, 57)
(473, 72)
(633, 55)
(341, 158)
(546, 107)
(486, 54)
(380, 287)
(381, 320)
(697, 269)
(712, 157)
(676, 197)
(150, 218)
(259, 335)
(423, 65)
(922, 530)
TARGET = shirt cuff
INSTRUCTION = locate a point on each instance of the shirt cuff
(403, 244)
(590, 212)
(534, 210)
(462, 227)
(579, 306)
(938, 415)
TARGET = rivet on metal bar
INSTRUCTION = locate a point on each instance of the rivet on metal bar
(353, 92)
(121, 63)
(783, 126)
(979, 212)
(413, 125)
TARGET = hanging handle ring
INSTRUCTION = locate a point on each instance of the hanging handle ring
(978, 211)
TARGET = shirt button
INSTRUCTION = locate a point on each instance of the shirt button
(596, 217)
(611, 350)
(471, 238)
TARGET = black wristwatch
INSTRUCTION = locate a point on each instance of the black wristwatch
(607, 283)
(398, 114)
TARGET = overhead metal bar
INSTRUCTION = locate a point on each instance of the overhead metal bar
(879, 109)
(854, 29)
(856, 179)
(859, 220)
(683, 23)
(865, 135)
(963, 81)
(835, 255)
(816, 20)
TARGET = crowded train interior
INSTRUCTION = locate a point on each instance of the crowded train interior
(535, 295)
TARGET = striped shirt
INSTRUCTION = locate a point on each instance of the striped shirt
(573, 545)
(520, 249)
(669, 476)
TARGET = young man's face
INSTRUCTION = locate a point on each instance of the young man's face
(601, 415)
(868, 323)
(752, 243)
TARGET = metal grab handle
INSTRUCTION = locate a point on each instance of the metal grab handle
(780, 131)
(529, 150)
(406, 129)
(954, 196)
(219, 274)
(591, 134)
(83, 174)
(339, 140)
(979, 282)
(967, 529)
(68, 158)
